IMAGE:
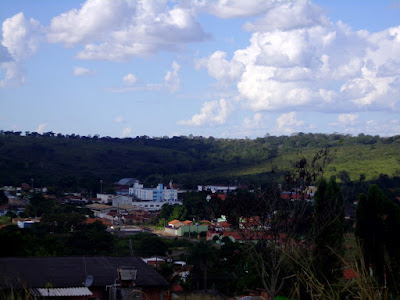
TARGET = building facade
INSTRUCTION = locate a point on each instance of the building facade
(158, 194)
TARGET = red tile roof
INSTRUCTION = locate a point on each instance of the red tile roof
(224, 224)
(91, 221)
(173, 222)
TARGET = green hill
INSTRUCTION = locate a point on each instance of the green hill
(72, 161)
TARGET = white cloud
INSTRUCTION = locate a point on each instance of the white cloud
(119, 30)
(20, 40)
(118, 119)
(212, 113)
(79, 71)
(171, 79)
(14, 76)
(348, 119)
(20, 36)
(129, 79)
(235, 8)
(287, 123)
(5, 56)
(288, 15)
(299, 60)
(171, 82)
(220, 69)
(41, 127)
(126, 132)
(382, 128)
(256, 122)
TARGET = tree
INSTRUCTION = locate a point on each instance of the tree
(370, 229)
(273, 226)
(39, 205)
(3, 197)
(377, 224)
(202, 254)
(328, 231)
(344, 176)
(146, 245)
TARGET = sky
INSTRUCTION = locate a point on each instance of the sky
(221, 68)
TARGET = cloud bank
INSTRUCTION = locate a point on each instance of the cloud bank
(20, 40)
(299, 60)
(120, 30)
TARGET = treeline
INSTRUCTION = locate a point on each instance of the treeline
(73, 161)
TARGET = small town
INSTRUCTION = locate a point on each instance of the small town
(199, 150)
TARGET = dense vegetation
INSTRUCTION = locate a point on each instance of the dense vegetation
(290, 248)
(72, 161)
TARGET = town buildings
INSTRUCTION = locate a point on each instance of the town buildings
(158, 194)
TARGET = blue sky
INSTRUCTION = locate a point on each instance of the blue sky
(228, 69)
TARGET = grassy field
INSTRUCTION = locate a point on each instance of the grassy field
(81, 162)
(370, 160)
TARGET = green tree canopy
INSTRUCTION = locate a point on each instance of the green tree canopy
(328, 230)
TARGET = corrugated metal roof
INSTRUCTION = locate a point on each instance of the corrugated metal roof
(64, 292)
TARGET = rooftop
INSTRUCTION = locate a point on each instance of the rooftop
(36, 272)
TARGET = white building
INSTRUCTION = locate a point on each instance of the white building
(158, 194)
(122, 200)
(105, 198)
(152, 205)
(217, 188)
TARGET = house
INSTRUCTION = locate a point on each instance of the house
(25, 222)
(154, 261)
(180, 229)
(104, 198)
(92, 220)
(138, 217)
(100, 210)
(81, 277)
(175, 224)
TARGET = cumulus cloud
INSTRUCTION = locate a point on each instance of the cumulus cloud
(390, 127)
(126, 132)
(15, 76)
(287, 123)
(171, 79)
(119, 30)
(129, 79)
(212, 113)
(255, 122)
(79, 71)
(41, 127)
(299, 60)
(5, 56)
(235, 8)
(20, 40)
(348, 119)
(220, 69)
(171, 82)
(289, 15)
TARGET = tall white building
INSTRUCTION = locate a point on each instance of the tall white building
(159, 194)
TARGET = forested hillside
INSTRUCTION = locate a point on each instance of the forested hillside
(71, 161)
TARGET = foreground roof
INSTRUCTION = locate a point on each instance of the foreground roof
(35, 272)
